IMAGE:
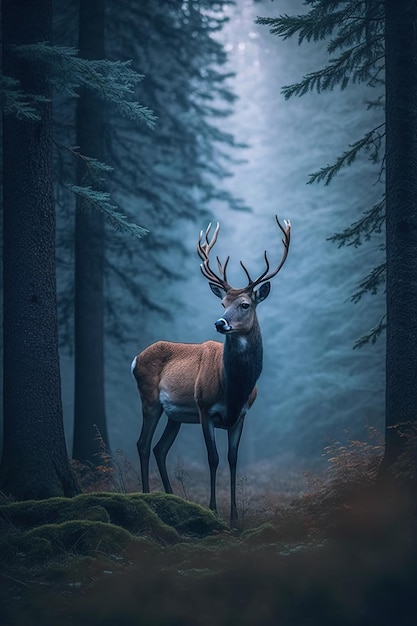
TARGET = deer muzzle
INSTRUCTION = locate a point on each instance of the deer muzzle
(222, 326)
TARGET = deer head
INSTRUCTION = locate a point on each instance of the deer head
(239, 304)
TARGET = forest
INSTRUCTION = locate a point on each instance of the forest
(156, 155)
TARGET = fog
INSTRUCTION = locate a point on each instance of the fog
(314, 386)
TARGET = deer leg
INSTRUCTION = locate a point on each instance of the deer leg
(213, 458)
(151, 417)
(234, 435)
(162, 448)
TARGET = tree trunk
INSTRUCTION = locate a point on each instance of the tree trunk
(401, 227)
(89, 401)
(34, 462)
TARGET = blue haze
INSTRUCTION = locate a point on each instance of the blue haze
(313, 385)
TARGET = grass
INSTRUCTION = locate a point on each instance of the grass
(339, 551)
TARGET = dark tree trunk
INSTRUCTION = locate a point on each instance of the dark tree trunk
(34, 462)
(89, 401)
(401, 224)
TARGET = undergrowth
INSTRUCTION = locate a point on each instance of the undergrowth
(264, 492)
(340, 549)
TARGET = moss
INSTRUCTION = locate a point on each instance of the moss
(186, 517)
(37, 548)
(97, 514)
(81, 537)
(158, 515)
(132, 513)
(39, 530)
(266, 533)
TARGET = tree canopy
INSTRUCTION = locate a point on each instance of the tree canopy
(374, 42)
(167, 174)
(354, 34)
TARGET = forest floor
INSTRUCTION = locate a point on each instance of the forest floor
(340, 551)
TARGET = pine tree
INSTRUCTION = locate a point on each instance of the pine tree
(89, 394)
(173, 174)
(34, 461)
(113, 82)
(377, 44)
(354, 31)
(166, 173)
(401, 236)
(95, 206)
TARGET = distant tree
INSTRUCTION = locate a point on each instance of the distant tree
(163, 177)
(378, 44)
(89, 395)
(88, 82)
(34, 461)
(172, 175)
(355, 30)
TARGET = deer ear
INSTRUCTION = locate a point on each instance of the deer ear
(217, 291)
(263, 292)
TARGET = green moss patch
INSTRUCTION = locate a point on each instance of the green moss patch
(185, 517)
(155, 559)
(81, 537)
(38, 530)
(156, 514)
(265, 533)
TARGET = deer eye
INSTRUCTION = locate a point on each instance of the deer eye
(245, 305)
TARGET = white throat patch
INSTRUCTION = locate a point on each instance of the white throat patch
(242, 343)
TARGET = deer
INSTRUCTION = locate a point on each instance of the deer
(211, 383)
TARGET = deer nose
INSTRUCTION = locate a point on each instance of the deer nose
(222, 326)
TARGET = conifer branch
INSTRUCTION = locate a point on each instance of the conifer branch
(372, 221)
(371, 283)
(373, 334)
(371, 142)
(308, 27)
(323, 18)
(94, 167)
(359, 39)
(113, 81)
(18, 103)
(101, 201)
(355, 33)
(348, 67)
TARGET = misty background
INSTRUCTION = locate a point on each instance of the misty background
(314, 386)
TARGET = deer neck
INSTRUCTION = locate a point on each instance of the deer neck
(242, 365)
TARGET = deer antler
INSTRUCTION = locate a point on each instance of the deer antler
(203, 249)
(265, 276)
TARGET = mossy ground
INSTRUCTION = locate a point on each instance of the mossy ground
(113, 559)
(39, 530)
(343, 554)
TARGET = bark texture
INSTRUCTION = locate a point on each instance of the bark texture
(89, 399)
(401, 224)
(34, 461)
